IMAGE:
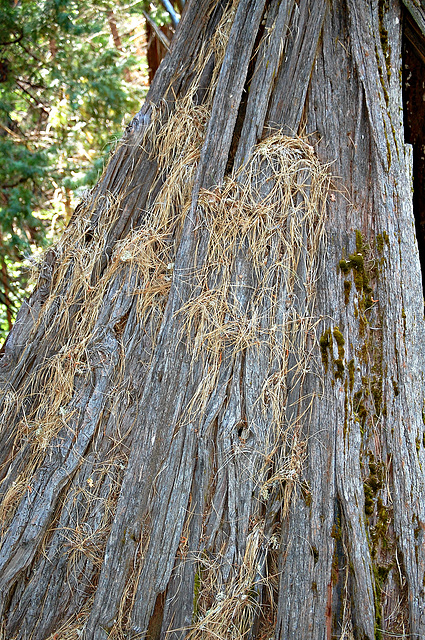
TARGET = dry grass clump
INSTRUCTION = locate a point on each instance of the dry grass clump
(73, 628)
(255, 291)
(150, 249)
(256, 284)
(229, 610)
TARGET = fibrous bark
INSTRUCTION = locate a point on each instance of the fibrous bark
(212, 404)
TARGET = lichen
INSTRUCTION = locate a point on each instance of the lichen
(376, 388)
(339, 339)
(361, 274)
(336, 530)
(379, 531)
(344, 266)
(325, 343)
(359, 407)
(372, 484)
(339, 362)
(368, 500)
(359, 241)
(339, 370)
(335, 567)
(351, 367)
(347, 289)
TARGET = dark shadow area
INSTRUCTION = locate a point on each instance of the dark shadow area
(414, 122)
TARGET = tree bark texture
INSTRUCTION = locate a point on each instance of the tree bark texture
(212, 404)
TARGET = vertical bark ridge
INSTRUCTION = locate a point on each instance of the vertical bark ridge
(331, 93)
(287, 102)
(219, 134)
(268, 61)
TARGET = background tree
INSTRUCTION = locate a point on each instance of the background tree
(70, 73)
(212, 403)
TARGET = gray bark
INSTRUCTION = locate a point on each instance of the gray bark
(211, 409)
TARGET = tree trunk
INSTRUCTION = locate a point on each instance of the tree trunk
(212, 407)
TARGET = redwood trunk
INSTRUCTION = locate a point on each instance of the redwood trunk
(212, 408)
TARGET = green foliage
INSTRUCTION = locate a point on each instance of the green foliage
(71, 72)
